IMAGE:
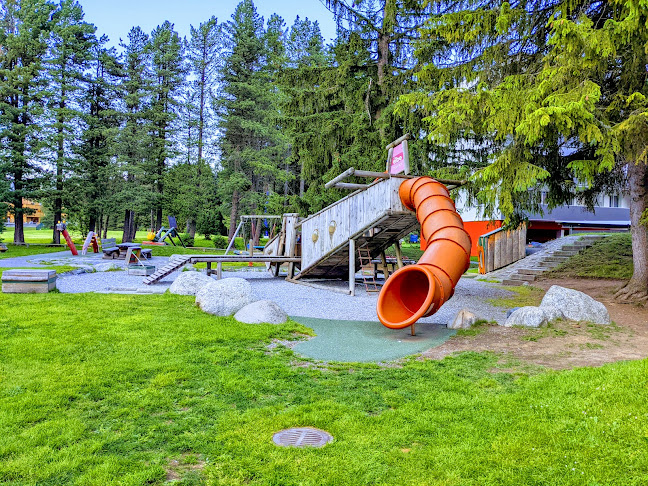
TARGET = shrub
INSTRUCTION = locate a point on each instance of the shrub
(187, 239)
(220, 241)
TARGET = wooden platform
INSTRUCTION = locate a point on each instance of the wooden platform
(378, 236)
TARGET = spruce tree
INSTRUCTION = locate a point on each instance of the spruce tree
(558, 94)
(24, 31)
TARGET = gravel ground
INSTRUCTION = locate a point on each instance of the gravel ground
(296, 300)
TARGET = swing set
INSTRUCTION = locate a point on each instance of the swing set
(249, 226)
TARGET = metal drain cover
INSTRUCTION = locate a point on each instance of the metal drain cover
(302, 437)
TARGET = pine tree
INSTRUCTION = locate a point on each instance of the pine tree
(24, 30)
(71, 42)
(99, 178)
(167, 78)
(250, 144)
(203, 54)
(134, 140)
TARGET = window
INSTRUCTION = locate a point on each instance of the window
(543, 197)
(614, 201)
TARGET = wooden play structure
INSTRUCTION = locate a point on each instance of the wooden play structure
(348, 235)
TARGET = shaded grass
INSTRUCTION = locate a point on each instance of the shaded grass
(149, 380)
(22, 250)
(609, 258)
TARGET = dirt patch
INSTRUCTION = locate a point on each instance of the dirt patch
(185, 465)
(565, 344)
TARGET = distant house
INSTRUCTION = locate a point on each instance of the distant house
(34, 217)
(611, 213)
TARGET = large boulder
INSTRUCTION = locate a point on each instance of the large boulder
(528, 317)
(108, 267)
(463, 320)
(189, 283)
(575, 305)
(224, 297)
(262, 311)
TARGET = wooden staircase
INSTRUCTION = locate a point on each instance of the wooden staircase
(175, 263)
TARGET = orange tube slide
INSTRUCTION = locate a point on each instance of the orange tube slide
(420, 290)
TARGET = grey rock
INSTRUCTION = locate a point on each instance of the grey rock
(528, 317)
(464, 319)
(261, 311)
(189, 283)
(575, 305)
(107, 267)
(224, 297)
(553, 313)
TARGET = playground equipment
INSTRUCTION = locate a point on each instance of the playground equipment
(164, 234)
(419, 290)
(501, 247)
(91, 239)
(62, 228)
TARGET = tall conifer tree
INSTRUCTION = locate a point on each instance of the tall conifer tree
(24, 30)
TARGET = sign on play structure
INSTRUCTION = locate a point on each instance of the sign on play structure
(398, 160)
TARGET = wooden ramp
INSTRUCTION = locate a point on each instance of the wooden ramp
(175, 263)
(374, 217)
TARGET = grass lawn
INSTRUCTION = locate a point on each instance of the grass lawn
(113, 389)
(608, 258)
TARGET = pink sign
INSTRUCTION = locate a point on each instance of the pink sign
(398, 160)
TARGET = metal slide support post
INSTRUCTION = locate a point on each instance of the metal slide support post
(352, 269)
(231, 243)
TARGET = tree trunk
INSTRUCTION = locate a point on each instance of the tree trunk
(19, 233)
(636, 290)
(233, 215)
(191, 227)
(105, 230)
(128, 218)
(257, 232)
(60, 153)
(93, 221)
(158, 218)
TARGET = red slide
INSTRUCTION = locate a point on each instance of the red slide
(420, 290)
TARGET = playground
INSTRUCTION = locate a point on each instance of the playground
(113, 378)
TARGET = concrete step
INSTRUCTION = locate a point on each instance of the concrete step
(575, 248)
(559, 259)
(525, 277)
(513, 281)
(548, 265)
(565, 253)
(530, 271)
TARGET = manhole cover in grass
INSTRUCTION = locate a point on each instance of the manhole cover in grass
(302, 437)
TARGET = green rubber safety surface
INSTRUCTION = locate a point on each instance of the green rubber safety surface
(366, 341)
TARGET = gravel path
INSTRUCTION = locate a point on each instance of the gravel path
(296, 300)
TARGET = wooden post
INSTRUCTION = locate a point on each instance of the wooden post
(406, 156)
(352, 269)
(219, 270)
(384, 264)
(399, 255)
(209, 270)
(413, 329)
(390, 151)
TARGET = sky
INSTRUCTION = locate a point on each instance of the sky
(116, 17)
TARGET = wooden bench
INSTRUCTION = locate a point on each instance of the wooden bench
(29, 281)
(109, 248)
(148, 254)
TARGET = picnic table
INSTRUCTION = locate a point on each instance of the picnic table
(391, 262)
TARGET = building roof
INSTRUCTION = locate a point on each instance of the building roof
(581, 216)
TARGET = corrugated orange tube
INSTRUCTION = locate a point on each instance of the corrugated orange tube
(420, 290)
